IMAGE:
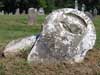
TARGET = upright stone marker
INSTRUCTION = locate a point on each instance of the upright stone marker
(17, 11)
(83, 7)
(76, 4)
(41, 11)
(31, 16)
(2, 12)
(95, 11)
(67, 35)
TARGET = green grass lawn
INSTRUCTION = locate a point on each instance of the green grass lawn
(13, 27)
(97, 26)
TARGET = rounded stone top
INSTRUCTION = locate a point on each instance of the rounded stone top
(77, 21)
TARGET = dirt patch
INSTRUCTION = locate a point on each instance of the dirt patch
(19, 66)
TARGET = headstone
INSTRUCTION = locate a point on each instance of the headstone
(67, 35)
(19, 46)
(76, 4)
(31, 16)
(2, 12)
(41, 11)
(83, 7)
(17, 11)
(95, 12)
(36, 10)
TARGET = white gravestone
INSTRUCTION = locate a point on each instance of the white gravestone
(83, 7)
(2, 12)
(95, 11)
(17, 11)
(67, 35)
(76, 4)
(41, 11)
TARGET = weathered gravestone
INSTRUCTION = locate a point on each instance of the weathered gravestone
(67, 35)
(76, 4)
(17, 11)
(83, 7)
(95, 12)
(2, 12)
(41, 11)
(31, 16)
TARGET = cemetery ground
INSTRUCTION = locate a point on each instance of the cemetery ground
(14, 27)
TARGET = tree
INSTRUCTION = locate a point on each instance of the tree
(50, 5)
(42, 3)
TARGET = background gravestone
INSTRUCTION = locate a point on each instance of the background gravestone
(95, 11)
(76, 4)
(2, 12)
(31, 16)
(83, 7)
(68, 34)
(17, 11)
(41, 11)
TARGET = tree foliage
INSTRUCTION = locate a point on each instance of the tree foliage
(49, 5)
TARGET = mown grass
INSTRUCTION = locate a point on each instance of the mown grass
(13, 27)
(97, 26)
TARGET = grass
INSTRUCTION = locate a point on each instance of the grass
(13, 27)
(97, 26)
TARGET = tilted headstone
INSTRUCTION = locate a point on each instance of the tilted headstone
(17, 11)
(76, 4)
(36, 10)
(31, 16)
(41, 11)
(67, 35)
